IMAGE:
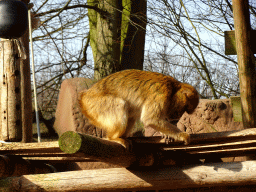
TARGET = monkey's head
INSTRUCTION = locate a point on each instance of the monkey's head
(185, 99)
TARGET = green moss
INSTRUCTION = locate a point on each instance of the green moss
(6, 185)
(125, 21)
(237, 109)
(70, 142)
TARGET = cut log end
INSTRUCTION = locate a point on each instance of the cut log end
(70, 142)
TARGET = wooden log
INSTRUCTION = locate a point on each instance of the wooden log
(10, 92)
(103, 150)
(246, 62)
(120, 179)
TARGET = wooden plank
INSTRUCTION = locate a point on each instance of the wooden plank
(202, 138)
(221, 144)
(59, 159)
(43, 147)
(121, 179)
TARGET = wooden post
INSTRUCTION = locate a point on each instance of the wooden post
(26, 94)
(10, 92)
(246, 62)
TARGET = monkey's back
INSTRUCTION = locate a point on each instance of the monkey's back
(136, 86)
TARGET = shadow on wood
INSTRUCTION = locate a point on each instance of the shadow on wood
(121, 179)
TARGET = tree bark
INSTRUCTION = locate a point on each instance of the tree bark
(117, 35)
(104, 34)
(133, 34)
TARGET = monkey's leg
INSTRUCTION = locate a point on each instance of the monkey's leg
(109, 113)
(130, 124)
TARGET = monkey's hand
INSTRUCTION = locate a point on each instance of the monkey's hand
(167, 139)
(185, 137)
(182, 136)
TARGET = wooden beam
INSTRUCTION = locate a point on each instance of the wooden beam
(121, 179)
(246, 62)
(146, 150)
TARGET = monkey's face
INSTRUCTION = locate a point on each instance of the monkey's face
(185, 100)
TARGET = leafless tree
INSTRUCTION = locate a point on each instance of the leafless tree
(195, 33)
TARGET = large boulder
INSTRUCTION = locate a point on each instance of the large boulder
(209, 116)
(68, 115)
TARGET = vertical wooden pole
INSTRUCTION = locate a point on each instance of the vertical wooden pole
(26, 94)
(246, 62)
(10, 93)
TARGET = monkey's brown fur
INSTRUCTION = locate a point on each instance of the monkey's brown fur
(115, 102)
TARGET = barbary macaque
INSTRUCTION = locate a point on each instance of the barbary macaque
(115, 102)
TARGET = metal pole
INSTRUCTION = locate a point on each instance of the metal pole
(34, 79)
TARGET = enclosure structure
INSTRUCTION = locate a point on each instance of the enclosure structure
(141, 174)
(16, 102)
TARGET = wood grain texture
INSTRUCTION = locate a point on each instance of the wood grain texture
(208, 175)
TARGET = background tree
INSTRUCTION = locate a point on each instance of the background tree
(117, 35)
(195, 33)
(185, 39)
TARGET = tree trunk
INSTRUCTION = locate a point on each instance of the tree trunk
(104, 34)
(114, 47)
(133, 34)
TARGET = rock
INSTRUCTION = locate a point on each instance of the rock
(210, 116)
(68, 115)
